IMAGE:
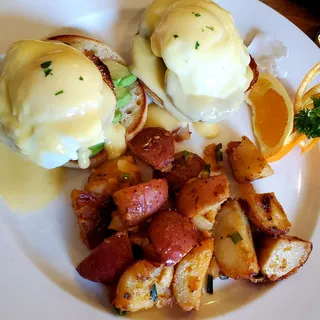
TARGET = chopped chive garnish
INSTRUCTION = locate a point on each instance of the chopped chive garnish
(120, 312)
(124, 177)
(96, 149)
(153, 293)
(197, 45)
(117, 116)
(210, 28)
(197, 14)
(202, 29)
(46, 64)
(223, 277)
(218, 152)
(81, 78)
(236, 237)
(59, 92)
(175, 36)
(185, 154)
(47, 72)
(210, 284)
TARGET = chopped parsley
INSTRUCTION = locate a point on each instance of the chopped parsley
(46, 64)
(81, 78)
(197, 14)
(59, 92)
(185, 154)
(307, 121)
(197, 45)
(47, 72)
(210, 28)
(175, 36)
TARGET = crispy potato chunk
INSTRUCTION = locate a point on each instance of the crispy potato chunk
(94, 216)
(106, 262)
(210, 157)
(143, 286)
(185, 166)
(172, 236)
(234, 248)
(134, 287)
(190, 275)
(138, 203)
(246, 161)
(202, 195)
(163, 285)
(113, 175)
(266, 213)
(154, 146)
(279, 258)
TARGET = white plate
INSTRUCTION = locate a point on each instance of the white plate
(39, 252)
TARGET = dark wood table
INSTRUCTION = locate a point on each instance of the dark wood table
(303, 13)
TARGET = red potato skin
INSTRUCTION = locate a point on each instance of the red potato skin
(154, 146)
(94, 216)
(183, 169)
(108, 261)
(203, 192)
(138, 203)
(172, 236)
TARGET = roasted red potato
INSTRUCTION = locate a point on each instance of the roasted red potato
(246, 161)
(282, 257)
(173, 236)
(113, 175)
(108, 261)
(213, 156)
(198, 196)
(154, 146)
(138, 203)
(186, 165)
(266, 213)
(94, 216)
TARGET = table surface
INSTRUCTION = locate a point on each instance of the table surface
(304, 14)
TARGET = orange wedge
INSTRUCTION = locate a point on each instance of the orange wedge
(272, 119)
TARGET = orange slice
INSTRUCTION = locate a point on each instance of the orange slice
(273, 115)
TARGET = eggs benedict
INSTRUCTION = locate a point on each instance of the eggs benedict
(60, 105)
(192, 59)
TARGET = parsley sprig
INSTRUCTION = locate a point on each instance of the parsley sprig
(307, 121)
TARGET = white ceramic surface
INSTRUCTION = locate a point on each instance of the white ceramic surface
(39, 252)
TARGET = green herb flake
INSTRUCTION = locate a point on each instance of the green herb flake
(117, 116)
(197, 14)
(124, 177)
(59, 92)
(202, 29)
(185, 154)
(236, 237)
(175, 36)
(120, 312)
(96, 149)
(46, 64)
(197, 45)
(210, 28)
(210, 284)
(218, 152)
(154, 293)
(307, 121)
(81, 78)
(47, 72)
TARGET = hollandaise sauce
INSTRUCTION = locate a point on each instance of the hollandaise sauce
(26, 187)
